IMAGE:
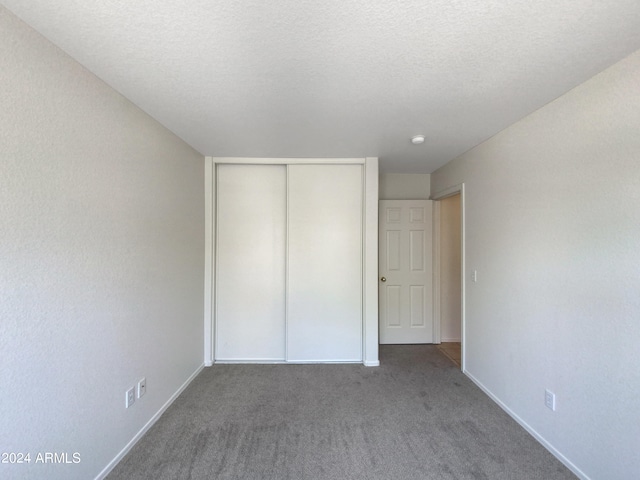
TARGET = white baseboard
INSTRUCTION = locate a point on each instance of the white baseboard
(147, 426)
(370, 363)
(555, 452)
(258, 361)
(450, 340)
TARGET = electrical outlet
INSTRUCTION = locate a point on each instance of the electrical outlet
(142, 387)
(474, 275)
(130, 397)
(550, 400)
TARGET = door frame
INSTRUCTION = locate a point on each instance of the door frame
(369, 246)
(437, 317)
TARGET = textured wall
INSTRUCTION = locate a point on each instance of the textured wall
(101, 251)
(402, 186)
(552, 226)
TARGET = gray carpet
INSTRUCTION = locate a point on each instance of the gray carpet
(414, 417)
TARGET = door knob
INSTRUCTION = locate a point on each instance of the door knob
(383, 279)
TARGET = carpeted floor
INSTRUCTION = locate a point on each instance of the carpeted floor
(414, 417)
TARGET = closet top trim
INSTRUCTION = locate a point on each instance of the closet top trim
(288, 161)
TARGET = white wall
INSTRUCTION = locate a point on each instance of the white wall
(403, 186)
(101, 251)
(450, 322)
(553, 228)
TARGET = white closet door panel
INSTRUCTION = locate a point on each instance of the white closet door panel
(324, 300)
(250, 263)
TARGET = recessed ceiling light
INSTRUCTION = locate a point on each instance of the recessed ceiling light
(417, 139)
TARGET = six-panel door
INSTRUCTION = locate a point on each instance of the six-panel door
(405, 269)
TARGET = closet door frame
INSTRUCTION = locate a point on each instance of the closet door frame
(369, 247)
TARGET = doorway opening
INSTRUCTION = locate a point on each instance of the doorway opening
(449, 273)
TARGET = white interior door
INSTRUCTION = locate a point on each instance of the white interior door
(324, 299)
(250, 263)
(405, 269)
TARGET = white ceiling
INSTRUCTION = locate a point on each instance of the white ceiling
(339, 78)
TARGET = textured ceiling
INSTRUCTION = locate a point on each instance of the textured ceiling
(339, 78)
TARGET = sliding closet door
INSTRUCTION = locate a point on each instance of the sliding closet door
(250, 263)
(324, 297)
